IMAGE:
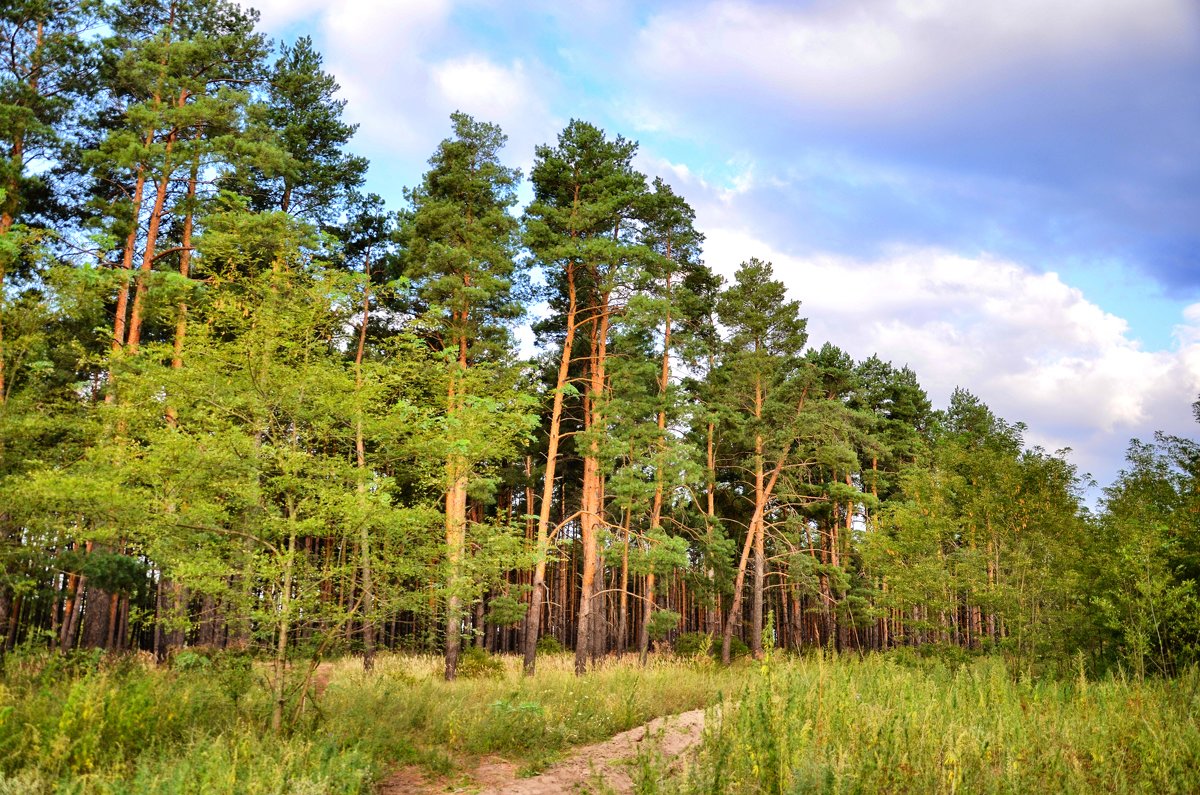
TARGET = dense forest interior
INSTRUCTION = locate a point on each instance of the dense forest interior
(245, 405)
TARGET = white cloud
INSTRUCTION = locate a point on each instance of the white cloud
(508, 95)
(876, 54)
(277, 14)
(476, 83)
(405, 65)
(1032, 347)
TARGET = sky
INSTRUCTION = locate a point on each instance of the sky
(1004, 196)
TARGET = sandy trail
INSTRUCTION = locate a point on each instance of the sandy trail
(601, 767)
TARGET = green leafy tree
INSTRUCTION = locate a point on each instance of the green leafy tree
(582, 231)
(460, 239)
(296, 161)
(1147, 600)
(764, 391)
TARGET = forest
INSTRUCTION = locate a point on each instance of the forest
(248, 412)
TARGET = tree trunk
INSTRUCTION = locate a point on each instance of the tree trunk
(713, 613)
(360, 453)
(534, 616)
(752, 531)
(279, 685)
(592, 499)
(760, 504)
(664, 381)
(623, 606)
(122, 309)
(141, 282)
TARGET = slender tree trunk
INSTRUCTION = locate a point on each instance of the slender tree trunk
(714, 608)
(154, 224)
(664, 382)
(456, 533)
(71, 615)
(648, 606)
(760, 504)
(752, 531)
(360, 453)
(122, 310)
(623, 607)
(279, 685)
(760, 557)
(457, 476)
(592, 501)
(543, 525)
(185, 270)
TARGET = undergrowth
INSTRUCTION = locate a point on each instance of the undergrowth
(890, 723)
(844, 725)
(88, 724)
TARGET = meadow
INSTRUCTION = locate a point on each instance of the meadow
(883, 723)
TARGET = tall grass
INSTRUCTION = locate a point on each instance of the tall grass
(881, 724)
(528, 720)
(91, 725)
(877, 725)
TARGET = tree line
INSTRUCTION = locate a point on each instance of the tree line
(245, 404)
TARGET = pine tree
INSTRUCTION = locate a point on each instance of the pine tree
(460, 242)
(581, 228)
(296, 160)
(762, 359)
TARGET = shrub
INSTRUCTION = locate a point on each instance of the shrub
(548, 644)
(689, 644)
(662, 622)
(476, 663)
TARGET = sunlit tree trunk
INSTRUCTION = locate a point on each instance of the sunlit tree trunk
(592, 498)
(537, 595)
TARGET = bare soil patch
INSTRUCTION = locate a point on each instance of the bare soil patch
(600, 768)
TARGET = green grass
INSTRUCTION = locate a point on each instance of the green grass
(894, 723)
(91, 725)
(88, 725)
(528, 720)
(880, 725)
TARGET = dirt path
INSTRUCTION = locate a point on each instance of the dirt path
(600, 768)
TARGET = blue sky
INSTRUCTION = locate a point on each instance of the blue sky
(1002, 195)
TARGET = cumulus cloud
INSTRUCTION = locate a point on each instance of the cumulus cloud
(870, 148)
(873, 54)
(1031, 346)
(506, 94)
(405, 65)
(928, 116)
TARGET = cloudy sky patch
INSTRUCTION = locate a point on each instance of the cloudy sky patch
(1003, 196)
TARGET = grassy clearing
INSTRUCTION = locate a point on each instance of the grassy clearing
(125, 726)
(892, 724)
(448, 725)
(881, 724)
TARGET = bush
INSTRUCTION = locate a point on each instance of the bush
(475, 663)
(662, 622)
(548, 644)
(690, 644)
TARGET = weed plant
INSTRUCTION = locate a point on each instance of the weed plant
(844, 725)
(88, 724)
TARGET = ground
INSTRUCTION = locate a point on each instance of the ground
(607, 767)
